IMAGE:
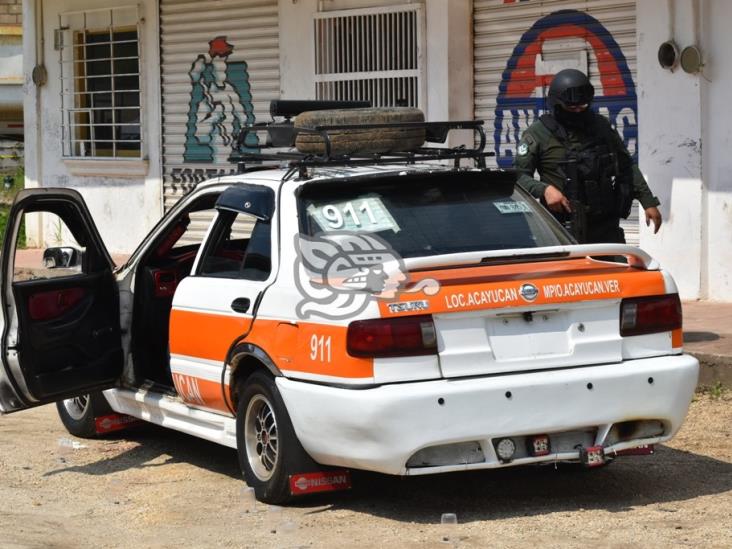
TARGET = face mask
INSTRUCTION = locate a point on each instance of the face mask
(573, 120)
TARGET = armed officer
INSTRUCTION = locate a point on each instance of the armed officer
(588, 178)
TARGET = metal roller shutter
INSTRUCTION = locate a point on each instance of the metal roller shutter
(220, 69)
(520, 45)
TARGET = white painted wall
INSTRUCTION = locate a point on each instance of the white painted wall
(124, 208)
(297, 50)
(450, 64)
(717, 150)
(670, 126)
(685, 136)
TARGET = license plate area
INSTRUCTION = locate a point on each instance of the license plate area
(531, 334)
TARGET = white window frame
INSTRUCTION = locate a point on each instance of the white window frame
(356, 51)
(117, 163)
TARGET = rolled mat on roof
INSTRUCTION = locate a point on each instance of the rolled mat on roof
(366, 140)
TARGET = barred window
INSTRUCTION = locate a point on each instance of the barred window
(100, 83)
(371, 54)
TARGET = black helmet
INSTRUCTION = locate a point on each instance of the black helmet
(570, 87)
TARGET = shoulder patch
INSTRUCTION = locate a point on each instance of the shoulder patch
(527, 142)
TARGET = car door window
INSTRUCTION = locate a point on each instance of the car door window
(56, 254)
(239, 246)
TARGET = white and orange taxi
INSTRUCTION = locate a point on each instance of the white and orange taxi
(399, 316)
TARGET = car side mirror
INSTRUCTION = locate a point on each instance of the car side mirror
(62, 256)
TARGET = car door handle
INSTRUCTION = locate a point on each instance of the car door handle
(240, 304)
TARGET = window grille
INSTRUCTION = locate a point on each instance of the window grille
(372, 55)
(100, 82)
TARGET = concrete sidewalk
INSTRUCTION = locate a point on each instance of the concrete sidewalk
(708, 336)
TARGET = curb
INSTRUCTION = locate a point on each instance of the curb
(714, 369)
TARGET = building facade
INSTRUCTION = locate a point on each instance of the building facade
(11, 88)
(133, 104)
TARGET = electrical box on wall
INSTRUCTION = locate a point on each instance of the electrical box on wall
(668, 55)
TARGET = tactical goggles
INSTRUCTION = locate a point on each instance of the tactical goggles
(577, 96)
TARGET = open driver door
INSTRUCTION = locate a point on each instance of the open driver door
(61, 333)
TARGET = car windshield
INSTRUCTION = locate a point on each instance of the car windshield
(431, 214)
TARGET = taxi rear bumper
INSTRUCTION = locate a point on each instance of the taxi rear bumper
(379, 429)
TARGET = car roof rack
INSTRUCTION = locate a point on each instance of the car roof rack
(283, 135)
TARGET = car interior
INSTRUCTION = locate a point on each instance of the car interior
(168, 261)
(238, 247)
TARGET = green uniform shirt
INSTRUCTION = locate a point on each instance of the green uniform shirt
(541, 151)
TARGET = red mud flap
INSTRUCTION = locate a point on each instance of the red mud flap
(322, 481)
(644, 450)
(593, 456)
(113, 422)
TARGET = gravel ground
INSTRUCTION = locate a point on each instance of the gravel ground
(156, 488)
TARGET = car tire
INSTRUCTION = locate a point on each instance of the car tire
(78, 414)
(269, 451)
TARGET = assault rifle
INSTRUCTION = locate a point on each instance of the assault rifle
(576, 221)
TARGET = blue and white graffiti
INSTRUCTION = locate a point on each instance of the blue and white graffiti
(220, 105)
(521, 100)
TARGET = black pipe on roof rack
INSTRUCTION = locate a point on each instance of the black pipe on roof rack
(292, 107)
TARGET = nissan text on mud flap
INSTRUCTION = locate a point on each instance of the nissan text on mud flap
(360, 300)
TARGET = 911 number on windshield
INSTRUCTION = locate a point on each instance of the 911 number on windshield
(336, 219)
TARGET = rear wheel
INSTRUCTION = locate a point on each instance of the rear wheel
(78, 413)
(269, 451)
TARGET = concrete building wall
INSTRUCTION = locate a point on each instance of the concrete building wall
(716, 43)
(124, 196)
(684, 139)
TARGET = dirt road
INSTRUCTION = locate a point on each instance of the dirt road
(153, 487)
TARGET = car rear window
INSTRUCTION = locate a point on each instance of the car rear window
(423, 215)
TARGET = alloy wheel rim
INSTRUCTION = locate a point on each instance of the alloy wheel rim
(77, 407)
(260, 436)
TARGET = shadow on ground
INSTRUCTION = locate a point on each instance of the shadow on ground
(148, 444)
(695, 337)
(668, 476)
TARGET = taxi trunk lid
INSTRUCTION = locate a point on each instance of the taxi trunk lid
(528, 338)
(532, 315)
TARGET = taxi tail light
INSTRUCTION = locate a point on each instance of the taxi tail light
(391, 337)
(650, 315)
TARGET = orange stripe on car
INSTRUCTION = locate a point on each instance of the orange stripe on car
(301, 347)
(478, 288)
(201, 392)
(204, 335)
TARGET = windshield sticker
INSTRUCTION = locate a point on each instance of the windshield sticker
(512, 207)
(367, 214)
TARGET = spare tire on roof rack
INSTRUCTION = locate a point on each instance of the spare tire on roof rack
(360, 140)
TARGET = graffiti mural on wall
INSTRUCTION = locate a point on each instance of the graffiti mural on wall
(520, 99)
(220, 105)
